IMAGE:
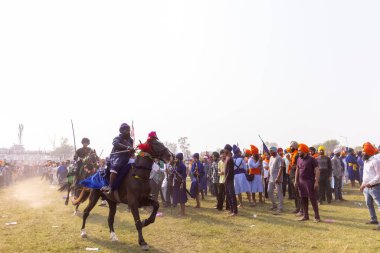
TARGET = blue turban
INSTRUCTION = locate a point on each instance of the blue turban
(179, 156)
(196, 155)
(273, 149)
(236, 150)
(123, 127)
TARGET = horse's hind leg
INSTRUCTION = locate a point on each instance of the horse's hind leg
(76, 212)
(152, 217)
(111, 219)
(68, 194)
(139, 226)
(93, 199)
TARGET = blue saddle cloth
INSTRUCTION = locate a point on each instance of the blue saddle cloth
(99, 179)
(96, 181)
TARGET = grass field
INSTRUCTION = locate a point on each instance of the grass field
(45, 224)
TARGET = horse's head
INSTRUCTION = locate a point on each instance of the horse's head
(158, 150)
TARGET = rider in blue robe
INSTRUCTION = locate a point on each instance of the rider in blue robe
(119, 159)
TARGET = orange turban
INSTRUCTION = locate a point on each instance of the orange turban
(304, 148)
(248, 152)
(254, 150)
(369, 149)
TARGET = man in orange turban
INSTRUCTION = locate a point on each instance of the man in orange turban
(254, 150)
(248, 152)
(371, 181)
(303, 148)
(307, 178)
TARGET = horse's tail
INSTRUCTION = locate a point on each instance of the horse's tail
(82, 197)
(64, 187)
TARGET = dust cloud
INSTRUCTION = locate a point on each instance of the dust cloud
(33, 193)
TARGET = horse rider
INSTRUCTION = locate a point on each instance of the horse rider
(83, 159)
(121, 153)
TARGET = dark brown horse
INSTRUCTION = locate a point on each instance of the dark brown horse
(79, 192)
(134, 191)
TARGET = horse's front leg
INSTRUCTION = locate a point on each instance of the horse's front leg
(111, 219)
(139, 225)
(94, 197)
(152, 217)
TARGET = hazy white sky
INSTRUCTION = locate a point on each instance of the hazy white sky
(215, 71)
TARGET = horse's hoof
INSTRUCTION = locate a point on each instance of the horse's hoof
(83, 234)
(114, 237)
(145, 247)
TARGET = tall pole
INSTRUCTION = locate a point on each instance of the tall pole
(72, 127)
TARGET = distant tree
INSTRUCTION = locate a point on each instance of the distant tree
(171, 146)
(64, 151)
(184, 146)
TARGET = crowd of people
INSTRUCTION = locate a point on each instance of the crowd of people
(303, 174)
(14, 171)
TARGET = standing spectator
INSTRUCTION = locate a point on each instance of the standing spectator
(343, 159)
(1, 173)
(276, 168)
(215, 174)
(371, 181)
(240, 180)
(222, 181)
(156, 178)
(266, 173)
(338, 171)
(179, 188)
(287, 173)
(325, 173)
(280, 152)
(255, 167)
(62, 173)
(361, 166)
(204, 181)
(307, 178)
(167, 185)
(198, 173)
(161, 190)
(352, 167)
(293, 167)
(229, 172)
(313, 152)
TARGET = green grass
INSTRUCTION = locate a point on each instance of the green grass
(37, 207)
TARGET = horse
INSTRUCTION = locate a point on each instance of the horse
(134, 191)
(80, 193)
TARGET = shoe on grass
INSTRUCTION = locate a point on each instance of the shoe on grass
(372, 222)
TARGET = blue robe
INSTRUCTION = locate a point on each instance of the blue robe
(179, 195)
(120, 161)
(195, 182)
(352, 167)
